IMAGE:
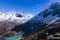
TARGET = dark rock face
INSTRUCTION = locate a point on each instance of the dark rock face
(19, 15)
(35, 24)
(54, 9)
(29, 28)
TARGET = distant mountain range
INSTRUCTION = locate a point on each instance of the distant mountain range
(14, 16)
(11, 19)
(40, 21)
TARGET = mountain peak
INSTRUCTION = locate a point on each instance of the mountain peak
(55, 5)
(19, 15)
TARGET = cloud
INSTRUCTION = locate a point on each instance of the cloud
(29, 15)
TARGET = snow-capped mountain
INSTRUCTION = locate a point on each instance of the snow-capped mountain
(49, 15)
(14, 16)
(11, 19)
(40, 21)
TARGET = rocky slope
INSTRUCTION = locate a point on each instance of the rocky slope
(41, 21)
(11, 19)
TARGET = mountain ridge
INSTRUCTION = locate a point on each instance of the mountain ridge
(40, 21)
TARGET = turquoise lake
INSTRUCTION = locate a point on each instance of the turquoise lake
(13, 37)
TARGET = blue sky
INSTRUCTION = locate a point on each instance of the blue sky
(24, 6)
